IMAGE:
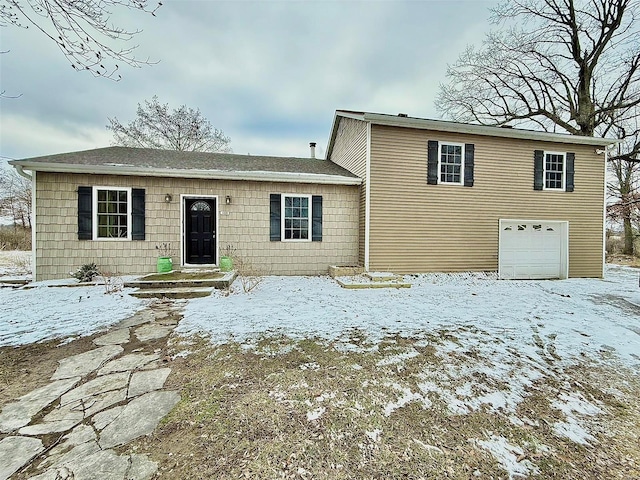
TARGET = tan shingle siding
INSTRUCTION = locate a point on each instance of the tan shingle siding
(246, 227)
(417, 227)
(350, 152)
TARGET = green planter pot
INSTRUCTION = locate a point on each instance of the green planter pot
(165, 264)
(226, 264)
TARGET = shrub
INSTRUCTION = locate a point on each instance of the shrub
(86, 273)
(250, 276)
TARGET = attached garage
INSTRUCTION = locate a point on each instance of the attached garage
(533, 249)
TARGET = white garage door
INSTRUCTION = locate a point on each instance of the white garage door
(533, 249)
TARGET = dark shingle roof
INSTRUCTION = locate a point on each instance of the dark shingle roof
(174, 160)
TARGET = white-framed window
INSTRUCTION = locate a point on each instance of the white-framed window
(112, 213)
(554, 170)
(451, 163)
(296, 218)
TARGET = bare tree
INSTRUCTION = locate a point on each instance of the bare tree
(554, 64)
(156, 126)
(557, 65)
(624, 187)
(15, 197)
(82, 30)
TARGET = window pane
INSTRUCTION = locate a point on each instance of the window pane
(112, 213)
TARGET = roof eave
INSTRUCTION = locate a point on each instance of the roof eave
(334, 127)
(453, 127)
(258, 176)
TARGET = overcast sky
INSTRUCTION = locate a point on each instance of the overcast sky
(270, 74)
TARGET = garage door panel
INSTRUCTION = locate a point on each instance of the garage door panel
(532, 249)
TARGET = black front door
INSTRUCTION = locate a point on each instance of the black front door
(200, 230)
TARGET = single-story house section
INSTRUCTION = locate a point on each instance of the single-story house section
(395, 193)
(445, 196)
(114, 205)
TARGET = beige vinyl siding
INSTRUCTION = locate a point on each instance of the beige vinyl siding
(350, 152)
(244, 224)
(416, 227)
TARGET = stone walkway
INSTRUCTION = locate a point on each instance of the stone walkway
(97, 400)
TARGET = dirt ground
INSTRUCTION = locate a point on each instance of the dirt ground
(245, 414)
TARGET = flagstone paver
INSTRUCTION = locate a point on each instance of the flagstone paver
(87, 362)
(15, 452)
(139, 318)
(139, 417)
(152, 332)
(105, 383)
(18, 414)
(96, 400)
(116, 337)
(133, 361)
(147, 381)
(102, 401)
(102, 419)
(60, 419)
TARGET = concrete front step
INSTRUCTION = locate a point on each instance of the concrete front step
(373, 284)
(156, 284)
(205, 280)
(197, 284)
(384, 277)
(173, 293)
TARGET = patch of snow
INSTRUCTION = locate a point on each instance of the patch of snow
(543, 318)
(575, 432)
(314, 415)
(42, 313)
(15, 264)
(374, 435)
(407, 396)
(568, 403)
(309, 366)
(325, 396)
(508, 455)
(398, 358)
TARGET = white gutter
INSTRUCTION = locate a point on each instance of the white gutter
(22, 173)
(258, 176)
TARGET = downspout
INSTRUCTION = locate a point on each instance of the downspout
(34, 263)
(22, 173)
(604, 213)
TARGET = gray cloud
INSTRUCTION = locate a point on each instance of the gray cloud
(270, 74)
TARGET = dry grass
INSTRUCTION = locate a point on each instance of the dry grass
(309, 409)
(620, 259)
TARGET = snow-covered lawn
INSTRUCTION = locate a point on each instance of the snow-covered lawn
(41, 312)
(564, 319)
(15, 263)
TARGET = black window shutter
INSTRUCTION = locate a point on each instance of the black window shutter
(137, 214)
(571, 157)
(538, 169)
(469, 150)
(432, 162)
(316, 218)
(275, 235)
(85, 213)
